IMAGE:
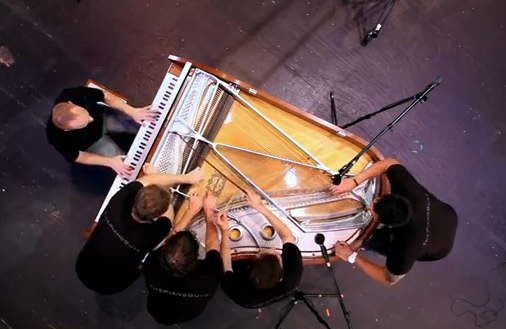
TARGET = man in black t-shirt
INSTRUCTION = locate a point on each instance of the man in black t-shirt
(270, 276)
(136, 220)
(414, 224)
(179, 284)
(77, 127)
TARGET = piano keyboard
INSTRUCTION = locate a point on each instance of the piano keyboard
(147, 134)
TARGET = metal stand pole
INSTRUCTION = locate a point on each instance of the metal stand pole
(336, 178)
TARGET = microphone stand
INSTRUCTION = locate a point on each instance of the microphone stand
(298, 295)
(420, 97)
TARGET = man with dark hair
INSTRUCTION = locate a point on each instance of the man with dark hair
(136, 220)
(414, 224)
(270, 276)
(179, 284)
(80, 126)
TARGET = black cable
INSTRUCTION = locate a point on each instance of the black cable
(488, 315)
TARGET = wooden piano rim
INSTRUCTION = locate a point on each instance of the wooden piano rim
(375, 154)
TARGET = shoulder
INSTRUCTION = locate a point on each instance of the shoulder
(211, 266)
(130, 188)
(396, 169)
(152, 263)
(163, 224)
(78, 94)
(213, 256)
(152, 259)
(53, 132)
(397, 172)
(230, 283)
(405, 250)
(292, 262)
(290, 249)
(126, 194)
(402, 182)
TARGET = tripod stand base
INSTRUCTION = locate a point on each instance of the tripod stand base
(301, 296)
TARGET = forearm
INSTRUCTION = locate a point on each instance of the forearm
(182, 224)
(375, 271)
(284, 232)
(118, 104)
(164, 179)
(211, 231)
(377, 169)
(225, 251)
(92, 159)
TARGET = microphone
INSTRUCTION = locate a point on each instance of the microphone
(319, 239)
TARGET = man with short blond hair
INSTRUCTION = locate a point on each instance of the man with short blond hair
(80, 125)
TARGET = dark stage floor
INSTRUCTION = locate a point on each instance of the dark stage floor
(298, 51)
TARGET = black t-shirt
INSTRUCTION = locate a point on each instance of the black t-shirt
(69, 143)
(431, 231)
(239, 288)
(176, 300)
(110, 259)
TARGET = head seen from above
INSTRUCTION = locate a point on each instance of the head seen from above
(265, 271)
(150, 202)
(68, 116)
(180, 254)
(392, 210)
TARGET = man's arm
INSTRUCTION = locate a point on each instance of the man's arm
(138, 114)
(211, 230)
(375, 170)
(168, 180)
(284, 232)
(196, 201)
(115, 163)
(222, 223)
(377, 272)
(194, 208)
(117, 103)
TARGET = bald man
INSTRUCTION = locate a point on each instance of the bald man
(79, 127)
